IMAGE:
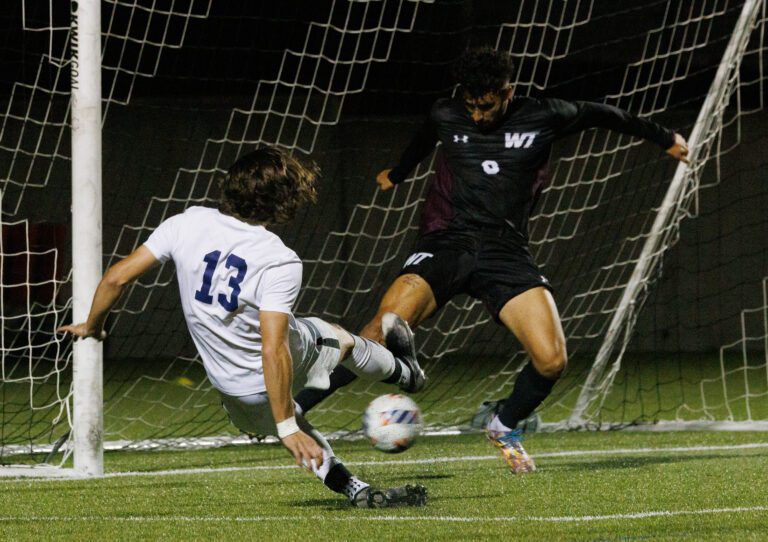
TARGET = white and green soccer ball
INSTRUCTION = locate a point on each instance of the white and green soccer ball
(392, 422)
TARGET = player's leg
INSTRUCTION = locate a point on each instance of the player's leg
(436, 271)
(339, 479)
(532, 316)
(252, 414)
(411, 298)
(308, 398)
(396, 364)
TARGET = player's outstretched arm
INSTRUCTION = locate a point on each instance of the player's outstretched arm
(422, 144)
(573, 117)
(278, 377)
(109, 290)
(679, 149)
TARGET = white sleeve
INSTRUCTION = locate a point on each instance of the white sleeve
(280, 287)
(163, 239)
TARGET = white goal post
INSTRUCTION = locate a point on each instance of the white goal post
(87, 428)
(87, 381)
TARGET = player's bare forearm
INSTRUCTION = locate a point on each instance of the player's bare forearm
(107, 294)
(278, 378)
(277, 363)
(109, 291)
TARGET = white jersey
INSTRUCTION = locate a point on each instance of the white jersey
(228, 271)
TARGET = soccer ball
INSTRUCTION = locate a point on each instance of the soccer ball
(392, 422)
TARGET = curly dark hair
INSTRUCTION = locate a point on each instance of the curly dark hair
(268, 186)
(483, 70)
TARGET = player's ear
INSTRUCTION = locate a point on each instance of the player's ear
(509, 92)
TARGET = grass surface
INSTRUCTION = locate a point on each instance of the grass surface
(694, 486)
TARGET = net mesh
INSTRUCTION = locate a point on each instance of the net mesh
(190, 85)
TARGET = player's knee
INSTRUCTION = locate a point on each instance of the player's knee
(551, 362)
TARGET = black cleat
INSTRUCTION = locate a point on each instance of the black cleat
(410, 495)
(399, 340)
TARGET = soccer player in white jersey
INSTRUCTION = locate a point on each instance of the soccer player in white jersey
(238, 284)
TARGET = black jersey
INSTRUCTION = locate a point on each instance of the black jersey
(492, 180)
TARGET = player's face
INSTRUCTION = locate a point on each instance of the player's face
(487, 110)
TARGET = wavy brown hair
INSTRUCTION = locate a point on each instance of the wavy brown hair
(483, 70)
(268, 186)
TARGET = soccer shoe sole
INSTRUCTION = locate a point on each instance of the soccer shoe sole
(410, 495)
(401, 342)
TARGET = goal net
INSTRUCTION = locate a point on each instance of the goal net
(665, 319)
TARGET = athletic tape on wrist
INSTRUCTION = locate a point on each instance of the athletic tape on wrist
(287, 427)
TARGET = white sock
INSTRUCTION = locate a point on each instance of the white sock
(329, 458)
(374, 362)
(496, 425)
(354, 486)
(322, 470)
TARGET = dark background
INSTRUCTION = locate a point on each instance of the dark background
(195, 88)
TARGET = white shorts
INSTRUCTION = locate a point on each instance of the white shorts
(250, 413)
(315, 351)
(317, 355)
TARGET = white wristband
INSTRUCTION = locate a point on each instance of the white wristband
(287, 427)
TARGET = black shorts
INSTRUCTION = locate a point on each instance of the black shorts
(487, 266)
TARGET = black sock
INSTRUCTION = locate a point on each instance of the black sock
(340, 480)
(394, 378)
(309, 397)
(337, 478)
(530, 390)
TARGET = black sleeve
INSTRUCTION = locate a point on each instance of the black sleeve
(577, 116)
(421, 145)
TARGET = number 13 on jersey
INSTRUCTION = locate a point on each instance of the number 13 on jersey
(212, 260)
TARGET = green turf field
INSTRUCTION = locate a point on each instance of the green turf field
(589, 486)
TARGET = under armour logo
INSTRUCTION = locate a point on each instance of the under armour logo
(463, 139)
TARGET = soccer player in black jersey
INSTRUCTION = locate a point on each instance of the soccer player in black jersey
(490, 172)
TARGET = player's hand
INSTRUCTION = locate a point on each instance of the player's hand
(83, 331)
(679, 149)
(382, 179)
(305, 450)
